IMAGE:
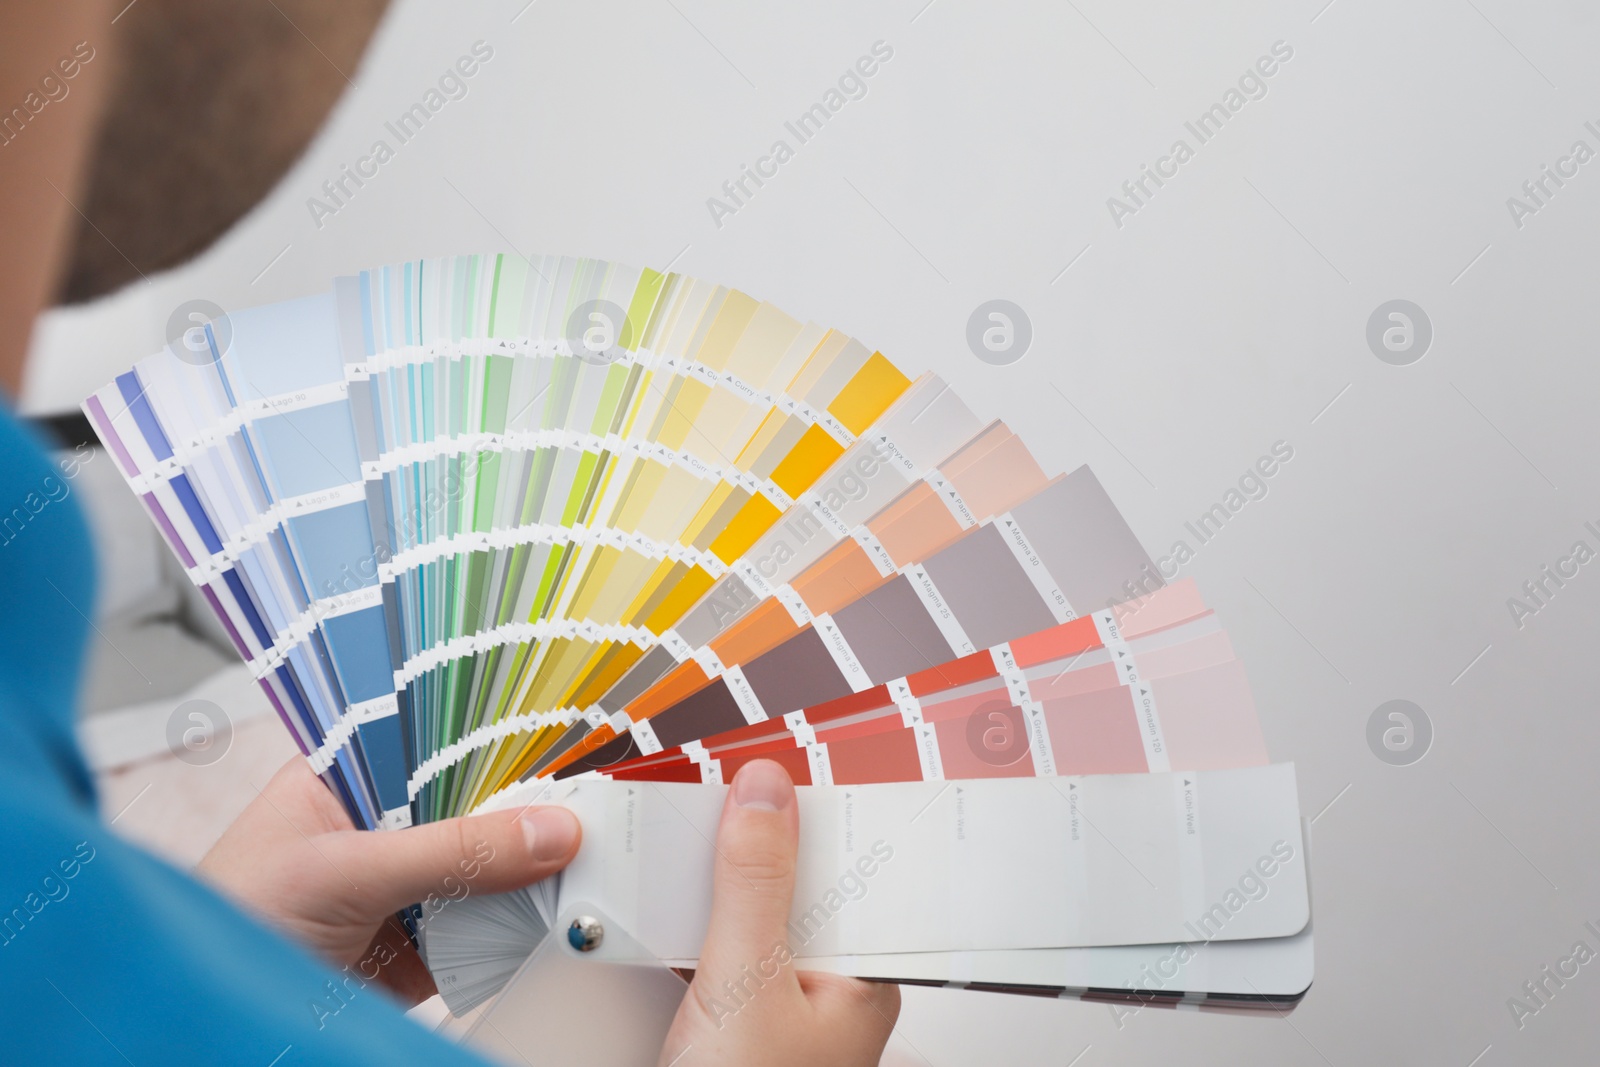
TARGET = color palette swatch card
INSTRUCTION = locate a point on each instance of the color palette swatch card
(240, 443)
(620, 495)
(1166, 631)
(546, 702)
(1025, 863)
(1063, 548)
(1267, 973)
(312, 431)
(996, 726)
(1170, 695)
(851, 539)
(993, 465)
(487, 527)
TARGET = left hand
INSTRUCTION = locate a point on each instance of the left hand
(294, 860)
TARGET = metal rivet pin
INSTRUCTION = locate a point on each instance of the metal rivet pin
(585, 933)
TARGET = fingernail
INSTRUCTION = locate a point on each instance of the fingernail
(763, 785)
(550, 833)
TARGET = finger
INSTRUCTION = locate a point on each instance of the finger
(755, 869)
(831, 993)
(447, 860)
(860, 1014)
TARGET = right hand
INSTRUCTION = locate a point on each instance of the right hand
(734, 1013)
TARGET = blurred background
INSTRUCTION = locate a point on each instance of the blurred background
(1180, 330)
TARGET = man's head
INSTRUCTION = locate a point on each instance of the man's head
(209, 103)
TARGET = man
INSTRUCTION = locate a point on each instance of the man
(129, 141)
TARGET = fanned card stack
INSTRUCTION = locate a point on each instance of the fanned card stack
(491, 530)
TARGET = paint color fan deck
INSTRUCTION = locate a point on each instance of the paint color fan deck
(489, 529)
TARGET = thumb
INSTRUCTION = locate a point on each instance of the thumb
(753, 886)
(453, 858)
